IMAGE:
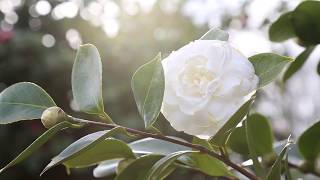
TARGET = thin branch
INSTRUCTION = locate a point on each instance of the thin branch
(175, 141)
(291, 165)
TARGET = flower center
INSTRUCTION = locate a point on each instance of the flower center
(195, 77)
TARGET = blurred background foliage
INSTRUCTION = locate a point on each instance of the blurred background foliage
(38, 41)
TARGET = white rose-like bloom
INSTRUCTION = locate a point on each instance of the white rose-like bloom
(206, 82)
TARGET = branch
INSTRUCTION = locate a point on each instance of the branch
(299, 168)
(175, 141)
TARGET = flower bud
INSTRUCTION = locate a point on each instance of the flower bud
(53, 116)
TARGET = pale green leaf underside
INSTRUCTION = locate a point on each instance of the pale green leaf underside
(148, 88)
(23, 101)
(215, 34)
(77, 153)
(87, 80)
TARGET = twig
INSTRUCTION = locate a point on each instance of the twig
(175, 141)
(295, 166)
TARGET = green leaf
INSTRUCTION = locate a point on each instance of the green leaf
(298, 63)
(87, 81)
(282, 29)
(309, 144)
(238, 141)
(138, 169)
(148, 88)
(38, 143)
(318, 68)
(206, 164)
(288, 175)
(123, 164)
(202, 142)
(23, 101)
(221, 137)
(268, 66)
(215, 34)
(163, 164)
(250, 125)
(156, 146)
(92, 149)
(305, 19)
(275, 171)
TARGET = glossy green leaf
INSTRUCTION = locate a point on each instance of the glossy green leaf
(148, 88)
(221, 137)
(305, 19)
(297, 64)
(268, 66)
(309, 144)
(215, 34)
(275, 171)
(206, 164)
(38, 143)
(163, 164)
(138, 169)
(282, 29)
(23, 101)
(156, 146)
(87, 81)
(90, 150)
(124, 163)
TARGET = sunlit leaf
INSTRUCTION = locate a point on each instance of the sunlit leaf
(87, 81)
(23, 101)
(92, 149)
(215, 34)
(268, 66)
(148, 88)
(38, 143)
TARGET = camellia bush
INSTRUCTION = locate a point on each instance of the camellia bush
(205, 89)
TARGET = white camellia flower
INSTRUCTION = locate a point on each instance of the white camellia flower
(206, 82)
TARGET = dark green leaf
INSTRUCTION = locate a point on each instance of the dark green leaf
(318, 68)
(148, 88)
(268, 66)
(275, 171)
(89, 150)
(205, 163)
(38, 143)
(305, 19)
(215, 34)
(221, 137)
(156, 146)
(297, 64)
(288, 175)
(282, 29)
(309, 144)
(23, 101)
(238, 141)
(138, 169)
(87, 81)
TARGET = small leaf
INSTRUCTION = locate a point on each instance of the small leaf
(215, 34)
(23, 101)
(275, 171)
(78, 154)
(163, 164)
(87, 81)
(148, 88)
(238, 141)
(206, 164)
(282, 29)
(297, 64)
(309, 144)
(138, 169)
(305, 19)
(268, 66)
(221, 137)
(106, 168)
(156, 146)
(38, 143)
